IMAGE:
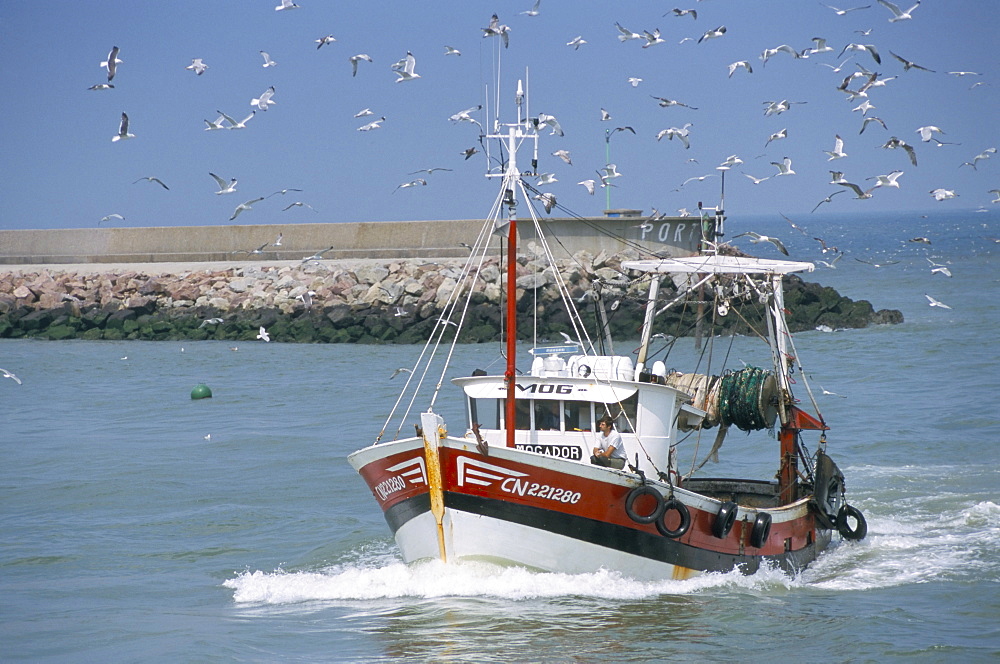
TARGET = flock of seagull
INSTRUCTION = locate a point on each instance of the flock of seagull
(858, 86)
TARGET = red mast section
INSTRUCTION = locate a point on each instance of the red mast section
(511, 414)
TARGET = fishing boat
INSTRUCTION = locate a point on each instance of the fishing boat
(517, 481)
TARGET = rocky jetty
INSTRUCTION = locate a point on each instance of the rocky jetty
(353, 302)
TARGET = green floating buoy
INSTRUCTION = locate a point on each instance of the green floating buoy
(201, 391)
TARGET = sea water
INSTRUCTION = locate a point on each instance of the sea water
(141, 525)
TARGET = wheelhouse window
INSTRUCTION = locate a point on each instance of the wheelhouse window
(486, 412)
(547, 415)
(576, 415)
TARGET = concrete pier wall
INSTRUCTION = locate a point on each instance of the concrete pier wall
(383, 239)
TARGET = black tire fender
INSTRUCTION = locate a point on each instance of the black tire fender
(844, 526)
(635, 494)
(725, 519)
(761, 530)
(682, 510)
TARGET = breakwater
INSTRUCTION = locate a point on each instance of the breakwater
(373, 301)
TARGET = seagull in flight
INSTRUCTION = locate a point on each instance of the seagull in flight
(784, 167)
(263, 335)
(897, 13)
(533, 11)
(769, 53)
(820, 47)
(564, 155)
(419, 182)
(626, 34)
(264, 100)
(547, 200)
(577, 42)
(285, 4)
(926, 133)
(282, 192)
(871, 119)
(894, 143)
(153, 179)
(745, 64)
(943, 194)
(224, 187)
(111, 64)
(838, 149)
(831, 265)
(407, 73)
(464, 116)
(611, 171)
(450, 50)
(354, 62)
(876, 265)
(713, 34)
(859, 194)
(757, 237)
(681, 134)
(666, 103)
(828, 392)
(374, 124)
(399, 371)
(792, 224)
(550, 121)
(937, 268)
(778, 135)
(297, 204)
(889, 180)
(683, 12)
(323, 41)
(756, 180)
(828, 199)
(842, 12)
(102, 86)
(935, 303)
(495, 29)
(8, 374)
(317, 256)
(907, 64)
(197, 66)
(869, 48)
(698, 178)
(214, 126)
(778, 107)
(429, 171)
(110, 217)
(244, 206)
(268, 62)
(233, 124)
(588, 185)
(122, 131)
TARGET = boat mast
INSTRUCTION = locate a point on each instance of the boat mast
(511, 202)
(515, 133)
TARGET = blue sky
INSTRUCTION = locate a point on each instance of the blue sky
(60, 168)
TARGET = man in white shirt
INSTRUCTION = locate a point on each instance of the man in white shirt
(610, 451)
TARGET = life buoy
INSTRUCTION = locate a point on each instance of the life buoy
(672, 504)
(828, 491)
(860, 529)
(635, 494)
(761, 529)
(725, 519)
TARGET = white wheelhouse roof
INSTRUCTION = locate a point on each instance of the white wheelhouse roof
(715, 264)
